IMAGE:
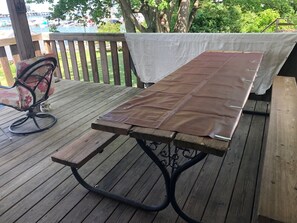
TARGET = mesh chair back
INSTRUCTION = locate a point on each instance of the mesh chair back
(34, 80)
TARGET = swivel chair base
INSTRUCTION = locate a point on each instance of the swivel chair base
(33, 123)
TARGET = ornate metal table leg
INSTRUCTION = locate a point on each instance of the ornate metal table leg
(174, 177)
(170, 182)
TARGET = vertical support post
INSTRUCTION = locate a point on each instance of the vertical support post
(17, 10)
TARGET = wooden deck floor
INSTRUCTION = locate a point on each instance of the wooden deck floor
(34, 189)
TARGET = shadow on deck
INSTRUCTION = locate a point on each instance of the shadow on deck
(33, 188)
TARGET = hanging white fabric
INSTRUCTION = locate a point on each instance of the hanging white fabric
(156, 55)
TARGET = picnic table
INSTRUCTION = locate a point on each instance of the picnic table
(194, 110)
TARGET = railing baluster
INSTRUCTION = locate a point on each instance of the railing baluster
(83, 60)
(47, 46)
(115, 62)
(15, 53)
(73, 60)
(5, 65)
(104, 62)
(49, 50)
(53, 49)
(140, 84)
(37, 48)
(94, 64)
(64, 59)
(127, 67)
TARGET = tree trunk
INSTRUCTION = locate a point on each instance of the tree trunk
(129, 25)
(164, 23)
(183, 14)
(129, 13)
(193, 14)
(150, 17)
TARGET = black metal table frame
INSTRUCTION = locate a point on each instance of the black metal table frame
(170, 179)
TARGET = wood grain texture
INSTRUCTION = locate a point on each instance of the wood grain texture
(155, 135)
(55, 51)
(84, 148)
(245, 187)
(204, 144)
(73, 60)
(127, 67)
(83, 60)
(140, 84)
(114, 127)
(12, 40)
(64, 59)
(37, 48)
(115, 63)
(104, 62)
(278, 192)
(219, 200)
(5, 66)
(84, 36)
(15, 53)
(17, 10)
(94, 65)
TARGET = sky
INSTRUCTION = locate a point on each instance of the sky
(35, 7)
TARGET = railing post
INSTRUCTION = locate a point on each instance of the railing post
(17, 10)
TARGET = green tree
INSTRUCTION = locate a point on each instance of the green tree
(284, 7)
(257, 22)
(158, 14)
(215, 18)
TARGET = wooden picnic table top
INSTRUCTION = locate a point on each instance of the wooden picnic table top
(198, 106)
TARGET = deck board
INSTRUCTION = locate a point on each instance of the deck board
(33, 188)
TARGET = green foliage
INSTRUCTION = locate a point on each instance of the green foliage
(284, 7)
(257, 22)
(78, 9)
(214, 18)
(109, 28)
(53, 28)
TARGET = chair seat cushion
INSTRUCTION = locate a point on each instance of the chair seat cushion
(26, 98)
(10, 97)
(40, 91)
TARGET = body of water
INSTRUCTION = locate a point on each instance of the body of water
(39, 24)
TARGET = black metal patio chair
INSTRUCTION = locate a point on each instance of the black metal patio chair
(33, 85)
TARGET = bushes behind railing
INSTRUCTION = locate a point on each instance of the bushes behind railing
(100, 58)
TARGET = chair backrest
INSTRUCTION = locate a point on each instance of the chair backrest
(34, 80)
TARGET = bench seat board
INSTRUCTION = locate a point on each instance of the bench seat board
(278, 192)
(84, 148)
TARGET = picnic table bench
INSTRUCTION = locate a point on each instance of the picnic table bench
(278, 192)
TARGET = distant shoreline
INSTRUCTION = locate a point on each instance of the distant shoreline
(7, 15)
(39, 24)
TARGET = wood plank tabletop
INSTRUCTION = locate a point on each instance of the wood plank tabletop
(190, 106)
